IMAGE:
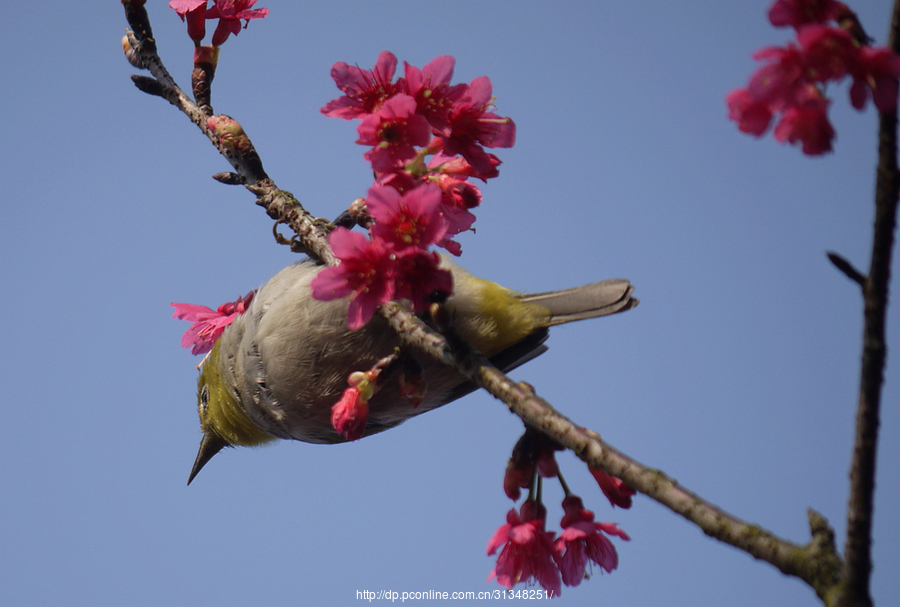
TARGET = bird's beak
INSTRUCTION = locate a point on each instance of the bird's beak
(209, 446)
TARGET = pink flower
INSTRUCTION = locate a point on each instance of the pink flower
(616, 491)
(454, 165)
(419, 280)
(229, 13)
(528, 551)
(366, 274)
(546, 465)
(581, 542)
(457, 197)
(877, 71)
(395, 129)
(799, 12)
(348, 415)
(400, 180)
(518, 475)
(411, 219)
(364, 90)
(830, 52)
(194, 11)
(751, 115)
(807, 122)
(431, 89)
(473, 126)
(778, 82)
(208, 324)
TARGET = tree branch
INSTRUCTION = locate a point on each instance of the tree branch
(817, 563)
(856, 572)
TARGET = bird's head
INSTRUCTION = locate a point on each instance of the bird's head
(222, 418)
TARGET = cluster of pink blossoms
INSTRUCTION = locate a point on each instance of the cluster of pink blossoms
(529, 552)
(228, 12)
(427, 138)
(830, 45)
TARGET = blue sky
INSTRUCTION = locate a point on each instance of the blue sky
(737, 375)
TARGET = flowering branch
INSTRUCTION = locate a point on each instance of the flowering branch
(817, 562)
(226, 134)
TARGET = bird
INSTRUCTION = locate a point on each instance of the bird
(276, 371)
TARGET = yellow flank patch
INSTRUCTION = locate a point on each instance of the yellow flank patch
(503, 319)
(223, 415)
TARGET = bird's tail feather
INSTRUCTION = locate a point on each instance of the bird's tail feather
(588, 301)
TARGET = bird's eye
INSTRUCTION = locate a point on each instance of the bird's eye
(204, 399)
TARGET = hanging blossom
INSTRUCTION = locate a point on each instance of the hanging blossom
(583, 542)
(459, 115)
(532, 454)
(208, 323)
(830, 45)
(615, 489)
(194, 12)
(349, 414)
(473, 126)
(528, 552)
(532, 554)
(230, 13)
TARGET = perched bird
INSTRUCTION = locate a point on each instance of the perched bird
(277, 370)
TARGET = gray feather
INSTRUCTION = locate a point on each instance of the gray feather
(588, 301)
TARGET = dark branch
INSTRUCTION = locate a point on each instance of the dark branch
(857, 569)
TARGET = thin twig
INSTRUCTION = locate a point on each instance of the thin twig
(279, 204)
(847, 268)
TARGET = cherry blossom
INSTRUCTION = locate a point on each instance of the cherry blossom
(582, 542)
(229, 13)
(616, 491)
(348, 415)
(528, 552)
(365, 273)
(395, 130)
(208, 323)
(364, 90)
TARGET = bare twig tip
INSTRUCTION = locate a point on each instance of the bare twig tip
(229, 178)
(847, 268)
(148, 85)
